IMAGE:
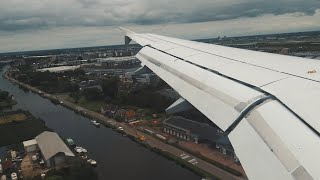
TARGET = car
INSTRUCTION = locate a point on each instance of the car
(14, 176)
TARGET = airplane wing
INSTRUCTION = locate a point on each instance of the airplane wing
(267, 104)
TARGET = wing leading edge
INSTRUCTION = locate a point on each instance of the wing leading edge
(266, 103)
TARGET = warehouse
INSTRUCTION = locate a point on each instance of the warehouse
(189, 130)
(52, 149)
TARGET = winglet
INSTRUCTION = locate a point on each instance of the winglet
(127, 32)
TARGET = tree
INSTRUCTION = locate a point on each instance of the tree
(110, 87)
(81, 170)
(92, 93)
(4, 95)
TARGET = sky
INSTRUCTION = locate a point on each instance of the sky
(51, 24)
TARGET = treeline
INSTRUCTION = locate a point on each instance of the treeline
(145, 98)
(6, 100)
(79, 169)
(51, 82)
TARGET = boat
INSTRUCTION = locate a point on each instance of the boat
(92, 162)
(95, 123)
(84, 157)
(84, 150)
(70, 142)
(78, 149)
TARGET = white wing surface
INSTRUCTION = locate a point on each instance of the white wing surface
(268, 104)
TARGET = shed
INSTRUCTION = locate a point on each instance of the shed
(53, 150)
(30, 145)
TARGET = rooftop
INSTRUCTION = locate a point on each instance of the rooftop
(201, 130)
(51, 144)
(59, 69)
(29, 142)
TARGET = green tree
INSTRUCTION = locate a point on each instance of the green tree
(92, 93)
(110, 87)
(81, 170)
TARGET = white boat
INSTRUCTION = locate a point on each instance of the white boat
(95, 123)
(84, 150)
(78, 149)
(92, 162)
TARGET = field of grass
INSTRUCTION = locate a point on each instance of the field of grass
(16, 131)
(91, 105)
(12, 117)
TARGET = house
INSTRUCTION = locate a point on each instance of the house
(30, 146)
(109, 110)
(52, 149)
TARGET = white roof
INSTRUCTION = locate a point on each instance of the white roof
(51, 144)
(59, 69)
(29, 143)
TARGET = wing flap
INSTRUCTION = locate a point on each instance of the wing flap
(278, 141)
(301, 96)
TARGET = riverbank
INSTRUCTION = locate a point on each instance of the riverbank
(154, 143)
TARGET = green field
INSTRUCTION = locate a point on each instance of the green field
(19, 126)
(91, 105)
(12, 118)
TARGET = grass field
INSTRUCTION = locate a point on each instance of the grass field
(91, 105)
(12, 117)
(20, 126)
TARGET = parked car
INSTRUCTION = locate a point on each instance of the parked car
(14, 176)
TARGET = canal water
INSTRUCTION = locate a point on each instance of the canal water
(118, 157)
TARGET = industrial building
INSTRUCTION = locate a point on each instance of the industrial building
(189, 130)
(52, 149)
(59, 69)
(146, 78)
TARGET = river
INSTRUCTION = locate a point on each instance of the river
(118, 157)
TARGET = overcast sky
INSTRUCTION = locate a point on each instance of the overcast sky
(48, 24)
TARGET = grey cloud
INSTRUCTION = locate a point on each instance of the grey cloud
(18, 15)
(63, 37)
